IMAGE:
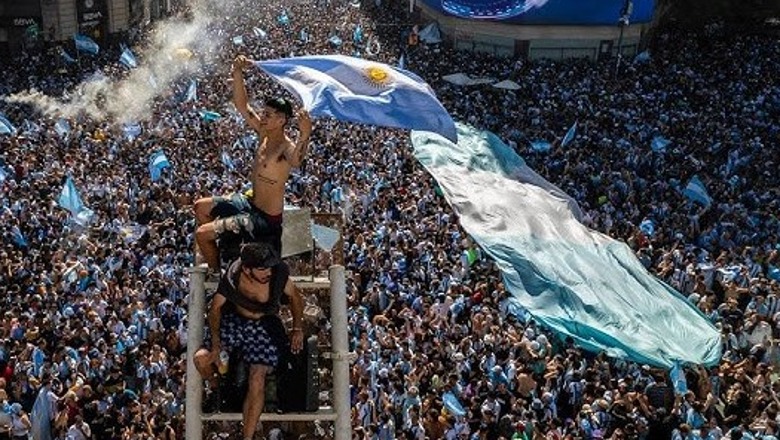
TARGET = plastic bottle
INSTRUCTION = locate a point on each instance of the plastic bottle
(224, 358)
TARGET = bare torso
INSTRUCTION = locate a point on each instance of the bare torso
(270, 172)
(256, 292)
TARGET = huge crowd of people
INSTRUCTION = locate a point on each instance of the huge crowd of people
(93, 333)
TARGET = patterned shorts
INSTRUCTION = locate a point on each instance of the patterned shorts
(238, 221)
(250, 337)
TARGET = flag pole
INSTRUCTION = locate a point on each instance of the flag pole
(78, 53)
(625, 16)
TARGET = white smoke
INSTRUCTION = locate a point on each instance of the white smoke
(175, 47)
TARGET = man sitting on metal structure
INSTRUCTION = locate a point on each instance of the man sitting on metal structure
(239, 218)
(244, 316)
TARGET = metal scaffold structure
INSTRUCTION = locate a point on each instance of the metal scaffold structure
(340, 356)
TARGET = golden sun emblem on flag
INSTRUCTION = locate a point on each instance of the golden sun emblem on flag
(377, 76)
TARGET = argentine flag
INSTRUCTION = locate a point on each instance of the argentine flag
(283, 19)
(132, 130)
(324, 237)
(6, 127)
(659, 144)
(127, 58)
(210, 116)
(357, 34)
(259, 33)
(541, 146)
(157, 163)
(571, 279)
(70, 200)
(62, 127)
(569, 135)
(362, 91)
(192, 91)
(696, 192)
(86, 44)
(227, 161)
(68, 59)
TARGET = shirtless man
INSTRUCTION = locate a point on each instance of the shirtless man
(237, 218)
(244, 316)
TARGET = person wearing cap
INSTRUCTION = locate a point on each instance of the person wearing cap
(240, 218)
(244, 316)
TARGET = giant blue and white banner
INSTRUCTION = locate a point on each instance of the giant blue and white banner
(574, 280)
(546, 12)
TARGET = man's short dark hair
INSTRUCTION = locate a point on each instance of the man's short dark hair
(281, 105)
(254, 255)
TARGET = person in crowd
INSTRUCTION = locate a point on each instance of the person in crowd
(244, 316)
(102, 310)
(238, 218)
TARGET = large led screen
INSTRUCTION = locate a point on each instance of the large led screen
(549, 12)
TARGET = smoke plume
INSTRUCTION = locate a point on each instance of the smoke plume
(174, 48)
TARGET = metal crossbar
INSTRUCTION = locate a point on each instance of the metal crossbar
(340, 356)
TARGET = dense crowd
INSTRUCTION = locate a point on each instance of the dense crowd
(93, 334)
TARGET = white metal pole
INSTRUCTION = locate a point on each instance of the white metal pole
(341, 355)
(195, 313)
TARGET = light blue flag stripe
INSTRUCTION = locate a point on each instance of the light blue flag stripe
(157, 163)
(647, 227)
(69, 197)
(696, 192)
(18, 237)
(357, 35)
(192, 91)
(70, 200)
(62, 127)
(41, 416)
(659, 143)
(541, 146)
(6, 127)
(65, 56)
(227, 161)
(569, 135)
(86, 44)
(132, 130)
(363, 91)
(128, 59)
(571, 279)
(335, 40)
(642, 57)
(210, 116)
(453, 405)
(259, 33)
(325, 237)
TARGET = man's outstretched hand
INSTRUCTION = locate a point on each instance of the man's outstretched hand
(240, 62)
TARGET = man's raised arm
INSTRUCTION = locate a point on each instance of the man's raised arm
(301, 147)
(240, 97)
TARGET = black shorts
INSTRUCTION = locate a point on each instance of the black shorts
(260, 342)
(239, 221)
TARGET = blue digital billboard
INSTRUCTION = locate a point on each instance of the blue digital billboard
(546, 12)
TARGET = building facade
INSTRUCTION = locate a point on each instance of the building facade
(548, 40)
(27, 25)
